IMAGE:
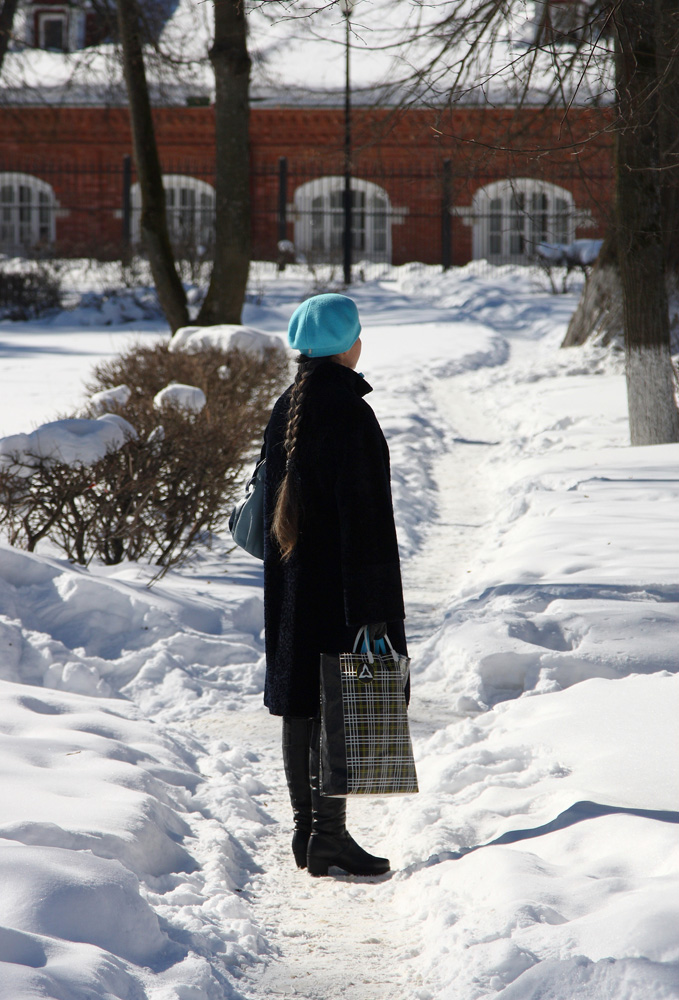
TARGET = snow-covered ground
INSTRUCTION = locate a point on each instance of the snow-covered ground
(144, 823)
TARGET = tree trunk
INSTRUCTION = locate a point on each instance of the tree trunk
(668, 89)
(7, 13)
(653, 414)
(231, 64)
(599, 311)
(153, 217)
(668, 76)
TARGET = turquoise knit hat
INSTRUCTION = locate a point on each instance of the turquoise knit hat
(324, 325)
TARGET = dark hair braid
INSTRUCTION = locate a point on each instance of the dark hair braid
(285, 524)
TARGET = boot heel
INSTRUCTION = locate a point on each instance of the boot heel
(317, 867)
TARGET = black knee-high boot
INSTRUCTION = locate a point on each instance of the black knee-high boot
(296, 740)
(330, 843)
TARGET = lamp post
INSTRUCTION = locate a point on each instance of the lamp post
(346, 6)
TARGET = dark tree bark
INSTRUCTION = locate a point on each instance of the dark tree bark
(599, 311)
(231, 64)
(653, 414)
(7, 12)
(667, 61)
(153, 218)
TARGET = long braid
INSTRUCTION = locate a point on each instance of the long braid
(285, 524)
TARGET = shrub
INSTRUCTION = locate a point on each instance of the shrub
(178, 479)
(30, 292)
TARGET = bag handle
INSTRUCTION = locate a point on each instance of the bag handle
(365, 645)
(257, 472)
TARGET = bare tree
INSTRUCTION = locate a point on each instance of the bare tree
(7, 12)
(231, 64)
(154, 227)
(623, 54)
(599, 312)
(653, 414)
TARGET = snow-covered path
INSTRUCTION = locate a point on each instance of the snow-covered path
(344, 937)
(465, 495)
(335, 937)
(348, 937)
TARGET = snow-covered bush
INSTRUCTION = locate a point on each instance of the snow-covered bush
(563, 258)
(185, 397)
(226, 337)
(176, 475)
(29, 290)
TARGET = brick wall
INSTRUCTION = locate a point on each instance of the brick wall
(79, 151)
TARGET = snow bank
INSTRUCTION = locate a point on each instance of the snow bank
(75, 441)
(227, 337)
(566, 590)
(518, 768)
(511, 300)
(98, 838)
(66, 629)
(59, 894)
(563, 790)
(73, 753)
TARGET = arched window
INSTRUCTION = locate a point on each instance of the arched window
(190, 211)
(27, 209)
(511, 217)
(319, 220)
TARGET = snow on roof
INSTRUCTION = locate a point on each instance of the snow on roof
(298, 58)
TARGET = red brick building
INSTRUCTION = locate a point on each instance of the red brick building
(451, 186)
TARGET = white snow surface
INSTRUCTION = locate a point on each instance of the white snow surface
(144, 822)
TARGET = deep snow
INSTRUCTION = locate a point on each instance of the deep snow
(144, 828)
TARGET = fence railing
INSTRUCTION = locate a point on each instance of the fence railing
(398, 214)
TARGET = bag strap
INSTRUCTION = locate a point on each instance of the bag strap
(365, 645)
(256, 475)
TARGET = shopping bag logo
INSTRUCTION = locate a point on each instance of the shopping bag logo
(366, 673)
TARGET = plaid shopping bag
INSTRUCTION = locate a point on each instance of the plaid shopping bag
(365, 739)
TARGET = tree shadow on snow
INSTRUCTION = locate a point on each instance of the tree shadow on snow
(569, 817)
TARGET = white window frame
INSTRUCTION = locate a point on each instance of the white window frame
(28, 214)
(56, 14)
(319, 219)
(510, 217)
(190, 205)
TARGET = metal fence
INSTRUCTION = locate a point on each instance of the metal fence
(398, 214)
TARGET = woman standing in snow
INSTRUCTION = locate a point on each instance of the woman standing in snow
(331, 560)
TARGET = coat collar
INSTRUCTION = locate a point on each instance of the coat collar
(337, 373)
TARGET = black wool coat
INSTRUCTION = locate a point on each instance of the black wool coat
(344, 571)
